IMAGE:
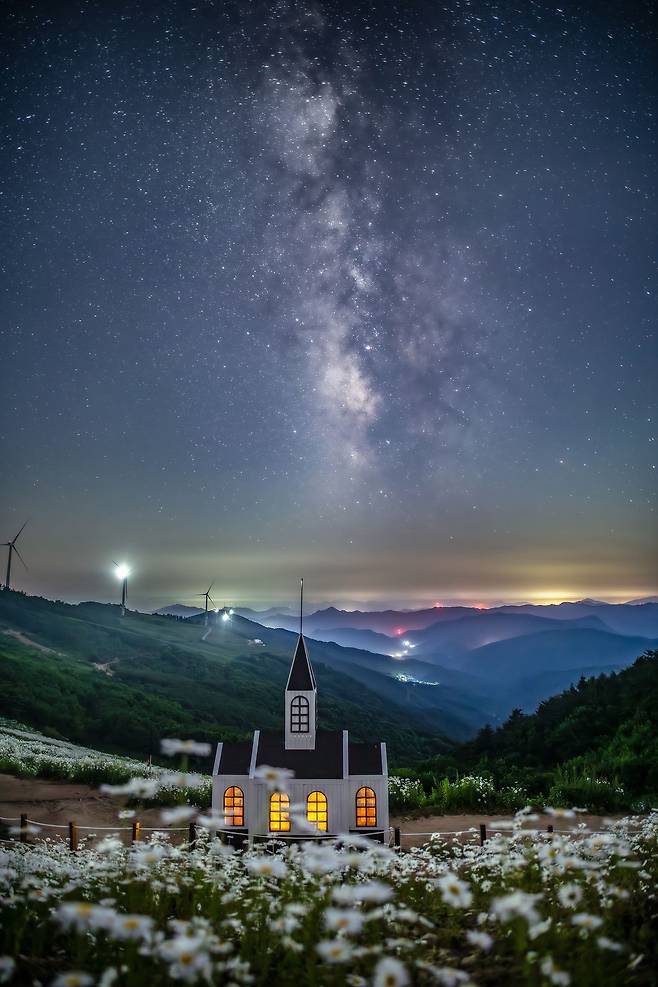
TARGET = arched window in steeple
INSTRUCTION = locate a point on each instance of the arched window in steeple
(299, 715)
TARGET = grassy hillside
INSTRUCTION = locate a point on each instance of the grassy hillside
(85, 673)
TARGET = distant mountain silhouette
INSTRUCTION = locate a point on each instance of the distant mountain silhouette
(566, 648)
(448, 641)
(638, 618)
(177, 610)
(355, 637)
(624, 618)
(391, 622)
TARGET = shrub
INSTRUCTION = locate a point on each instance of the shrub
(405, 793)
(596, 794)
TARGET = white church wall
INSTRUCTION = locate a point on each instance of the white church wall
(340, 794)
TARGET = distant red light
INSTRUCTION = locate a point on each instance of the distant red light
(399, 630)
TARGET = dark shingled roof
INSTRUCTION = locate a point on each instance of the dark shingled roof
(326, 761)
(365, 759)
(301, 674)
(235, 758)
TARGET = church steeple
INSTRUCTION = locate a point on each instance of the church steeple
(301, 693)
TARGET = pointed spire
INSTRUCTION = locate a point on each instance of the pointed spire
(301, 671)
(301, 676)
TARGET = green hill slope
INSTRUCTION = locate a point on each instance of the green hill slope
(85, 673)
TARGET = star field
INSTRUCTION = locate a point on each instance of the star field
(363, 290)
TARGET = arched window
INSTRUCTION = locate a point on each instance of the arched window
(234, 807)
(366, 807)
(299, 715)
(279, 812)
(317, 811)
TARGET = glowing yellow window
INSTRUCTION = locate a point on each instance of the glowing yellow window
(366, 807)
(234, 807)
(279, 812)
(317, 811)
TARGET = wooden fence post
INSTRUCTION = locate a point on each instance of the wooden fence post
(23, 836)
(549, 828)
(192, 835)
(483, 833)
(73, 835)
(397, 839)
(137, 831)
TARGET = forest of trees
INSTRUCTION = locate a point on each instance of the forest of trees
(599, 735)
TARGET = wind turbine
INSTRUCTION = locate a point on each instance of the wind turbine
(209, 600)
(11, 545)
(123, 571)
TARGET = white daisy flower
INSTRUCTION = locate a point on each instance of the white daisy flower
(480, 939)
(275, 777)
(454, 891)
(390, 972)
(335, 950)
(180, 813)
(569, 895)
(347, 920)
(73, 979)
(604, 943)
(131, 927)
(370, 891)
(170, 747)
(267, 866)
(556, 976)
(585, 921)
(7, 967)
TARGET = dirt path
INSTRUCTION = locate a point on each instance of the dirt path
(24, 639)
(57, 802)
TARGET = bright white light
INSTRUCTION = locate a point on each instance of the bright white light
(230, 613)
(123, 571)
(225, 616)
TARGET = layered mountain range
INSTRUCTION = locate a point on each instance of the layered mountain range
(496, 659)
(419, 679)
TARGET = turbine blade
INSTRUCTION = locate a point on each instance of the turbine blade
(20, 557)
(16, 537)
(211, 585)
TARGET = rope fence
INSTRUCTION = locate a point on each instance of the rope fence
(393, 837)
(484, 832)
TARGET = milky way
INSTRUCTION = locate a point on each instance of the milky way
(363, 290)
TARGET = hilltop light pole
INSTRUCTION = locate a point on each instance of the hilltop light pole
(11, 545)
(123, 572)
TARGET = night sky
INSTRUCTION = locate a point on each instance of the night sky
(363, 292)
